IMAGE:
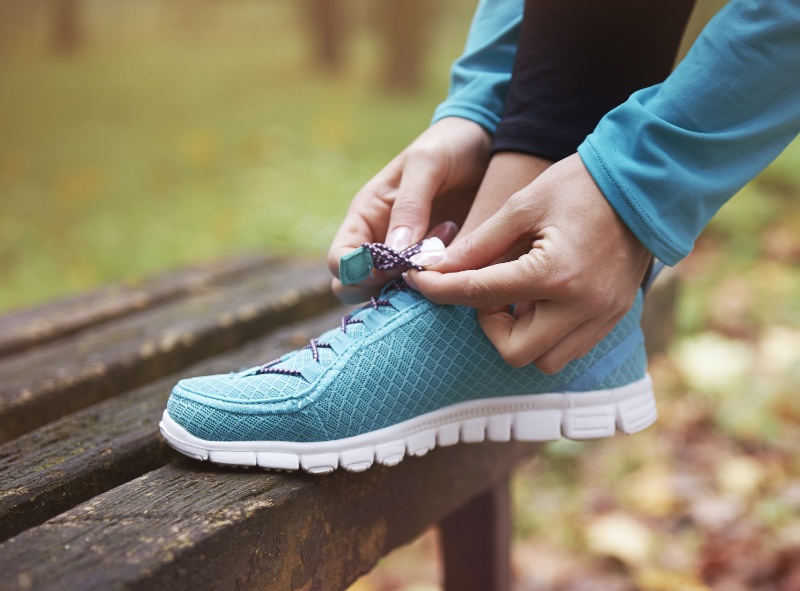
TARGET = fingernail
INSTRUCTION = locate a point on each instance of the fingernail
(445, 231)
(410, 281)
(399, 238)
(431, 252)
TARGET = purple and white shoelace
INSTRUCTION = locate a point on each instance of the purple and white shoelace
(384, 258)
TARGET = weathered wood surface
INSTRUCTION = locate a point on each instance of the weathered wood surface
(67, 462)
(73, 459)
(151, 521)
(476, 540)
(35, 326)
(51, 381)
(194, 526)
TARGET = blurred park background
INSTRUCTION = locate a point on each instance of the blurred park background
(141, 135)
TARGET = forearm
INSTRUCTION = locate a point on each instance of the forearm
(669, 157)
(479, 79)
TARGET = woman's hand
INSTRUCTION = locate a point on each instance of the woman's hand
(577, 279)
(433, 180)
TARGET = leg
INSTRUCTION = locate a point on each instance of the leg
(576, 60)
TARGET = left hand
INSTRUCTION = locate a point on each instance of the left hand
(432, 182)
(578, 278)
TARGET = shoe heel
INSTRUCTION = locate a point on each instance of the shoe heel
(636, 414)
(590, 423)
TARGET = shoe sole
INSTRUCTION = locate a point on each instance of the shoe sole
(532, 417)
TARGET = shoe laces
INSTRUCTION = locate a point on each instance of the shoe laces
(387, 258)
(384, 258)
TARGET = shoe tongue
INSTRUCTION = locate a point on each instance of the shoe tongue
(298, 359)
(393, 288)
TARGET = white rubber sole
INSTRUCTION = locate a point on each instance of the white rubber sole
(534, 417)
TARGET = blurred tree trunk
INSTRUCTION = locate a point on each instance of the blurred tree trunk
(404, 26)
(327, 30)
(66, 31)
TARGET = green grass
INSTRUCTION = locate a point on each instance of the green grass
(156, 146)
(182, 132)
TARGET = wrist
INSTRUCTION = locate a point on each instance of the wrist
(466, 128)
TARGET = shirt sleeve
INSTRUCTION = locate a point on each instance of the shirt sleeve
(670, 156)
(479, 79)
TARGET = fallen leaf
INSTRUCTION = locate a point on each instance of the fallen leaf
(651, 491)
(712, 363)
(781, 243)
(662, 580)
(620, 536)
(730, 306)
(716, 512)
(362, 584)
(740, 476)
(779, 350)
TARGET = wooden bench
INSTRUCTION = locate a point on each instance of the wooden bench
(92, 498)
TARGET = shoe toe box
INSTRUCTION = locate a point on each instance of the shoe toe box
(228, 408)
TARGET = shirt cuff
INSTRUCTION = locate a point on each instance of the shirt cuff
(633, 213)
(472, 112)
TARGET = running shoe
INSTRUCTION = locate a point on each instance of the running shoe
(400, 376)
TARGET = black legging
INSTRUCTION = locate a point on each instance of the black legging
(577, 60)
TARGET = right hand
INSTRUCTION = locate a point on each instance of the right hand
(433, 180)
(578, 278)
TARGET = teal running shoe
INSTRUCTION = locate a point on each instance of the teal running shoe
(400, 376)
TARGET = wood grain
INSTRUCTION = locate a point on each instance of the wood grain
(27, 328)
(189, 525)
(67, 462)
(96, 500)
(46, 383)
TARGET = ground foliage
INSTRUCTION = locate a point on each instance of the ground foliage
(181, 131)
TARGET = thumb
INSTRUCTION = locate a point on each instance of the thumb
(422, 177)
(490, 241)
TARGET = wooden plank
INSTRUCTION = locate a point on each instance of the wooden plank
(194, 526)
(34, 326)
(60, 465)
(476, 540)
(67, 462)
(48, 382)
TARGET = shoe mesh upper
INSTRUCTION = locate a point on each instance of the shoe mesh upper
(421, 357)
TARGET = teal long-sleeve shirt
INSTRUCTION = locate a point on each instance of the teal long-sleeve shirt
(670, 156)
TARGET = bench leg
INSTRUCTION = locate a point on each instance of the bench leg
(476, 543)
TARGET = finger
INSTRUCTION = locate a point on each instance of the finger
(522, 340)
(493, 239)
(378, 278)
(411, 211)
(601, 333)
(452, 205)
(569, 348)
(510, 173)
(371, 286)
(616, 313)
(367, 217)
(525, 279)
(522, 308)
(445, 232)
